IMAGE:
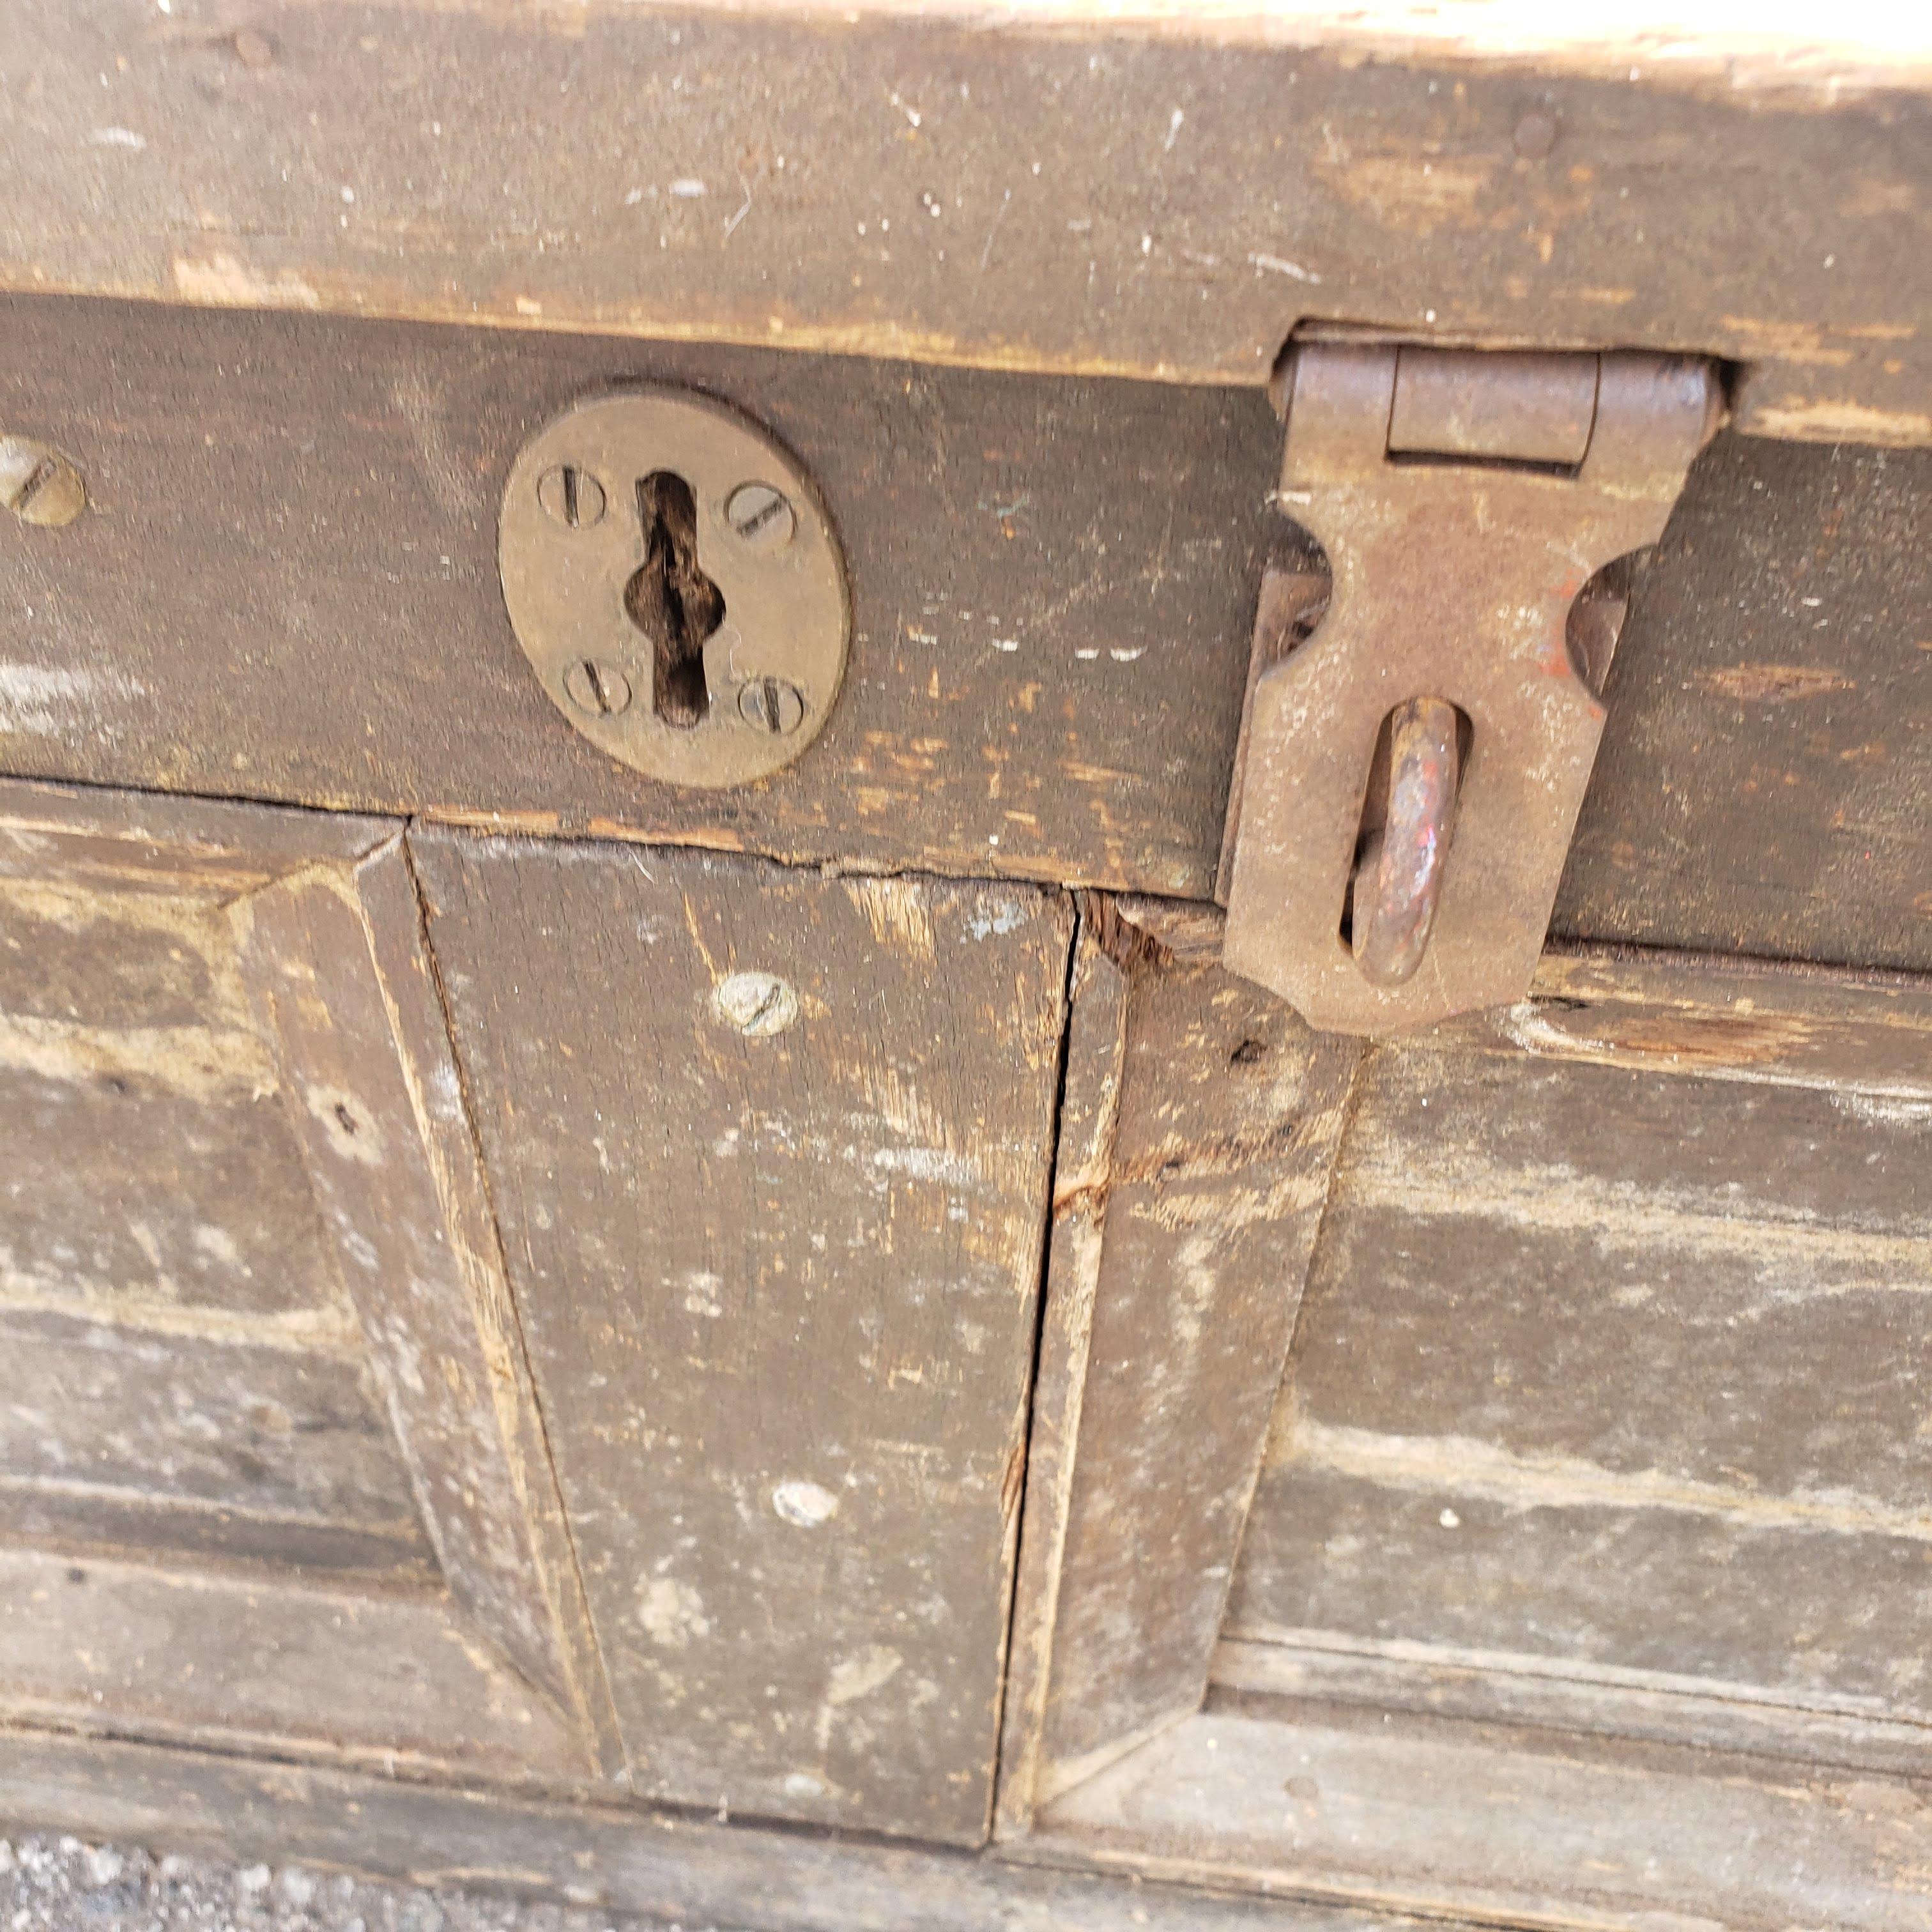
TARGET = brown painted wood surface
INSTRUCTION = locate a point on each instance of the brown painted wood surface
(776, 1241)
(680, 1871)
(286, 589)
(184, 1372)
(1613, 1359)
(1520, 1829)
(346, 988)
(279, 1664)
(1206, 1117)
(1765, 785)
(264, 1389)
(1076, 197)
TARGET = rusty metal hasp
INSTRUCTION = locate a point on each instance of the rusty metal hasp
(1409, 777)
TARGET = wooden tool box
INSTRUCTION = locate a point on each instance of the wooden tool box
(971, 972)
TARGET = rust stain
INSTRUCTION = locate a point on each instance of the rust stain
(1773, 683)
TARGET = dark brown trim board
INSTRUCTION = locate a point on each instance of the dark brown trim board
(285, 588)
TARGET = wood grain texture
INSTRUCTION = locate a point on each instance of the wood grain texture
(1765, 783)
(773, 1212)
(279, 1665)
(1183, 1238)
(1282, 1681)
(345, 987)
(1524, 1830)
(286, 589)
(1613, 1357)
(219, 1445)
(226, 1091)
(1089, 1118)
(1075, 198)
(680, 1871)
(184, 1370)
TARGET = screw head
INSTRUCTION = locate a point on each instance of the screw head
(1535, 134)
(571, 496)
(773, 704)
(762, 516)
(253, 48)
(598, 690)
(39, 484)
(758, 1005)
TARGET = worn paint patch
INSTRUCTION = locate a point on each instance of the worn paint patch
(1465, 1466)
(671, 1613)
(57, 701)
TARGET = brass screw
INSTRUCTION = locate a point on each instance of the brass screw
(773, 704)
(571, 496)
(39, 484)
(598, 690)
(764, 517)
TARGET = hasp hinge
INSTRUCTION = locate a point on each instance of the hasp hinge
(1408, 777)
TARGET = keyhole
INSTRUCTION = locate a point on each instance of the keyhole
(672, 601)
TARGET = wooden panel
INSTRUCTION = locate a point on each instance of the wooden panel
(190, 1181)
(1185, 1212)
(774, 1217)
(244, 1437)
(1524, 1829)
(346, 986)
(1765, 783)
(117, 1188)
(184, 1371)
(388, 1680)
(658, 1865)
(287, 589)
(1144, 198)
(1613, 1354)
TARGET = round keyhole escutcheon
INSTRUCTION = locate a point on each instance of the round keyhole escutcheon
(709, 588)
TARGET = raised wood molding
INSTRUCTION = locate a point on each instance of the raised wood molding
(690, 1870)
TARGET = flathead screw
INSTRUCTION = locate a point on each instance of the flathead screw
(39, 484)
(253, 48)
(1535, 134)
(598, 690)
(571, 496)
(773, 704)
(762, 516)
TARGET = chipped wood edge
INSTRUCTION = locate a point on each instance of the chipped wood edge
(377, 950)
(215, 844)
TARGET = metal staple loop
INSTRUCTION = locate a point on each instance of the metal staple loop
(1398, 879)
